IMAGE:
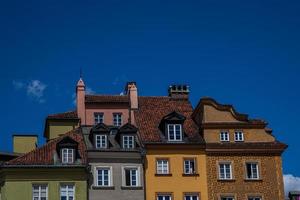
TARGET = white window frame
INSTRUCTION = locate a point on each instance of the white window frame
(39, 197)
(110, 175)
(164, 196)
(163, 170)
(224, 136)
(97, 117)
(173, 128)
(238, 136)
(68, 190)
(99, 137)
(227, 198)
(254, 198)
(66, 160)
(225, 171)
(189, 169)
(191, 196)
(127, 146)
(138, 176)
(117, 119)
(252, 170)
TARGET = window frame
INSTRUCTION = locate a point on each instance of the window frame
(105, 139)
(117, 120)
(39, 190)
(195, 165)
(191, 194)
(67, 191)
(63, 161)
(254, 197)
(138, 176)
(237, 137)
(96, 120)
(222, 139)
(168, 166)
(174, 132)
(225, 173)
(110, 175)
(227, 196)
(164, 194)
(133, 141)
(257, 170)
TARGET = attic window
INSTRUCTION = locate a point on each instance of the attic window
(128, 141)
(174, 132)
(67, 155)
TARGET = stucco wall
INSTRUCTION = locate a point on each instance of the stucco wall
(117, 191)
(24, 144)
(57, 129)
(18, 183)
(177, 184)
(250, 135)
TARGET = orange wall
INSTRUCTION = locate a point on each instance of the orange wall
(177, 184)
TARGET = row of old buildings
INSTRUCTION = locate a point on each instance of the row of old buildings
(134, 147)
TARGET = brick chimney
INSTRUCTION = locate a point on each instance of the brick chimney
(179, 91)
(80, 101)
(131, 91)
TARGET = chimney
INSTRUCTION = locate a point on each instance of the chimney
(179, 91)
(24, 143)
(131, 91)
(80, 101)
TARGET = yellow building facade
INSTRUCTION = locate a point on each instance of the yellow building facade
(176, 183)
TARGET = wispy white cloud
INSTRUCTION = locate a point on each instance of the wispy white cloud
(18, 84)
(35, 89)
(291, 183)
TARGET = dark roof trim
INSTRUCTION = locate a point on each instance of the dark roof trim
(235, 125)
(29, 135)
(43, 166)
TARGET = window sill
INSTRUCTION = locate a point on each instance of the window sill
(131, 187)
(163, 174)
(253, 180)
(187, 175)
(226, 180)
(103, 187)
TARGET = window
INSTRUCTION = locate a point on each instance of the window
(254, 198)
(224, 136)
(225, 171)
(101, 141)
(252, 170)
(39, 192)
(189, 166)
(104, 177)
(131, 177)
(128, 142)
(67, 192)
(117, 119)
(238, 136)
(164, 197)
(67, 155)
(191, 197)
(99, 118)
(174, 132)
(227, 198)
(162, 166)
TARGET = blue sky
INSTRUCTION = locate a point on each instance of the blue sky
(240, 53)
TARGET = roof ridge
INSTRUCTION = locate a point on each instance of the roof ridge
(55, 140)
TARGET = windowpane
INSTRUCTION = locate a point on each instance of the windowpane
(67, 155)
(117, 119)
(128, 142)
(174, 132)
(67, 192)
(225, 171)
(103, 177)
(162, 167)
(101, 141)
(189, 166)
(224, 136)
(98, 118)
(252, 171)
(164, 197)
(39, 192)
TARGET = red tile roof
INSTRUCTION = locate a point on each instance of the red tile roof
(152, 110)
(64, 115)
(106, 99)
(44, 155)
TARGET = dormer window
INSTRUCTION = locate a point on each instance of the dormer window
(99, 118)
(117, 117)
(101, 141)
(67, 155)
(128, 141)
(224, 136)
(174, 132)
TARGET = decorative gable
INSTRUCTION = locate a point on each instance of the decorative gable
(100, 128)
(69, 143)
